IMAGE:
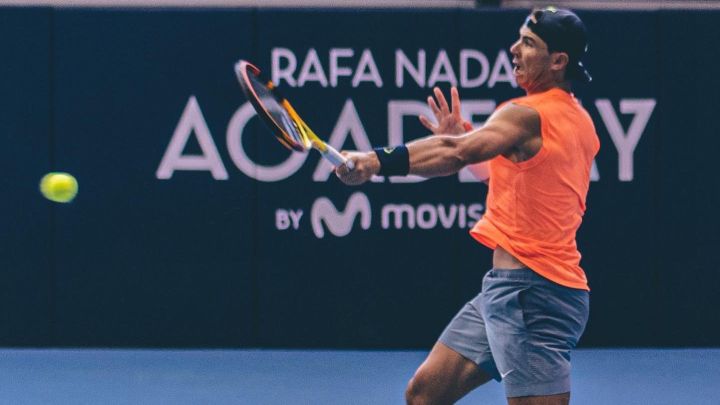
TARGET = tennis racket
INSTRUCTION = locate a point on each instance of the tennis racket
(281, 117)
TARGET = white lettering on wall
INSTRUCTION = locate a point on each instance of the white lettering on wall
(625, 142)
(191, 122)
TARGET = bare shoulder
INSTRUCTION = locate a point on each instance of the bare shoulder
(523, 117)
(521, 126)
(512, 131)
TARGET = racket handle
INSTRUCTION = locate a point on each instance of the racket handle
(334, 157)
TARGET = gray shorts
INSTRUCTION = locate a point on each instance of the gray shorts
(520, 329)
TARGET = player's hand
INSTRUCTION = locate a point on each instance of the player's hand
(449, 121)
(366, 166)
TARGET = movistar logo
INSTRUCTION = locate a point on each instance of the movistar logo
(340, 223)
(388, 150)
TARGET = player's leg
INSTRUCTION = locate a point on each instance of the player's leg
(458, 363)
(532, 325)
(558, 399)
(444, 377)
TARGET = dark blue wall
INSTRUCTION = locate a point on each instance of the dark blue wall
(196, 257)
(27, 223)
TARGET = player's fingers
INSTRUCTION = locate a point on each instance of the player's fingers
(455, 100)
(441, 100)
(349, 177)
(340, 171)
(350, 164)
(433, 106)
(427, 123)
(344, 174)
(343, 170)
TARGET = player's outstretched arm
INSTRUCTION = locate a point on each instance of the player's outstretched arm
(443, 155)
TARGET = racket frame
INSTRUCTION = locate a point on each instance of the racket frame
(308, 137)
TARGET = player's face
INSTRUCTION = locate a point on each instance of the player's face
(531, 60)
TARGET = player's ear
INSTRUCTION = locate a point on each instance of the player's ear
(559, 60)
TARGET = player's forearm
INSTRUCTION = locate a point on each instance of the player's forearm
(436, 156)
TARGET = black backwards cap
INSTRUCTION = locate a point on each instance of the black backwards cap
(563, 31)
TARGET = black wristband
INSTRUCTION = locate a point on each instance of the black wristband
(394, 161)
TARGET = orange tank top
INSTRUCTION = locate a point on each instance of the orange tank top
(535, 207)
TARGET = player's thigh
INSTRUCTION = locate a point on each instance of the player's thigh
(559, 399)
(533, 327)
(446, 373)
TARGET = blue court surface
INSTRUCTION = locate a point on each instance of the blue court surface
(59, 376)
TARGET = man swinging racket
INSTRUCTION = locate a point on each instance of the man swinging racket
(534, 303)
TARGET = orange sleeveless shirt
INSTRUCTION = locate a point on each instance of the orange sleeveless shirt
(535, 207)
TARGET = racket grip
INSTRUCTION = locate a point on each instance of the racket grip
(334, 157)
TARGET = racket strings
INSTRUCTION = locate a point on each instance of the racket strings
(279, 115)
(307, 138)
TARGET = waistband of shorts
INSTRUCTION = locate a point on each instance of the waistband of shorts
(523, 274)
(526, 276)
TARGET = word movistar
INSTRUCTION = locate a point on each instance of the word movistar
(325, 217)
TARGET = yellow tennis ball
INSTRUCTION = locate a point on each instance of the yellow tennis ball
(59, 187)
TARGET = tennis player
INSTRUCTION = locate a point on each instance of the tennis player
(534, 302)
